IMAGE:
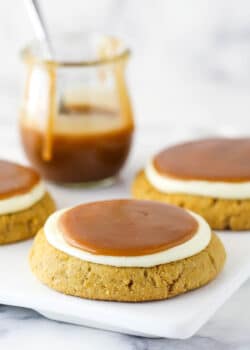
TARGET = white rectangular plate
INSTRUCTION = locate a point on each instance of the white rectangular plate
(179, 317)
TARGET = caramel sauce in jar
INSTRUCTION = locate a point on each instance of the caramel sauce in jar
(76, 120)
(96, 152)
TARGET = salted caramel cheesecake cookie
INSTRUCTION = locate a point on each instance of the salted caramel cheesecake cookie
(126, 250)
(210, 177)
(24, 202)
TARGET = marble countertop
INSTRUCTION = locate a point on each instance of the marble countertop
(229, 329)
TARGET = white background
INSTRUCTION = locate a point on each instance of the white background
(191, 61)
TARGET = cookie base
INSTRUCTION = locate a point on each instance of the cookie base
(25, 224)
(221, 214)
(73, 276)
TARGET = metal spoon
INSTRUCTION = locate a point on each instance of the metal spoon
(39, 26)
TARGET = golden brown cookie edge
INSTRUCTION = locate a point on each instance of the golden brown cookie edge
(24, 224)
(73, 276)
(221, 214)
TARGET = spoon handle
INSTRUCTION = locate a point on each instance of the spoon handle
(39, 25)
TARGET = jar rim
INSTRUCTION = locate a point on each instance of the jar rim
(28, 56)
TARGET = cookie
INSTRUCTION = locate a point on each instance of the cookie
(24, 203)
(210, 177)
(73, 271)
(73, 276)
(221, 214)
(25, 224)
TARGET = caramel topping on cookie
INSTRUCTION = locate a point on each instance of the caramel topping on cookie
(219, 159)
(16, 179)
(126, 227)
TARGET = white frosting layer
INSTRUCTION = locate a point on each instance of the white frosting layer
(22, 201)
(216, 189)
(193, 246)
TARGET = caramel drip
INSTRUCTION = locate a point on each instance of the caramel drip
(46, 152)
(27, 82)
(126, 108)
(26, 94)
(47, 149)
(109, 49)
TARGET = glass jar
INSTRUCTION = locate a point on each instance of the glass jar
(76, 120)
